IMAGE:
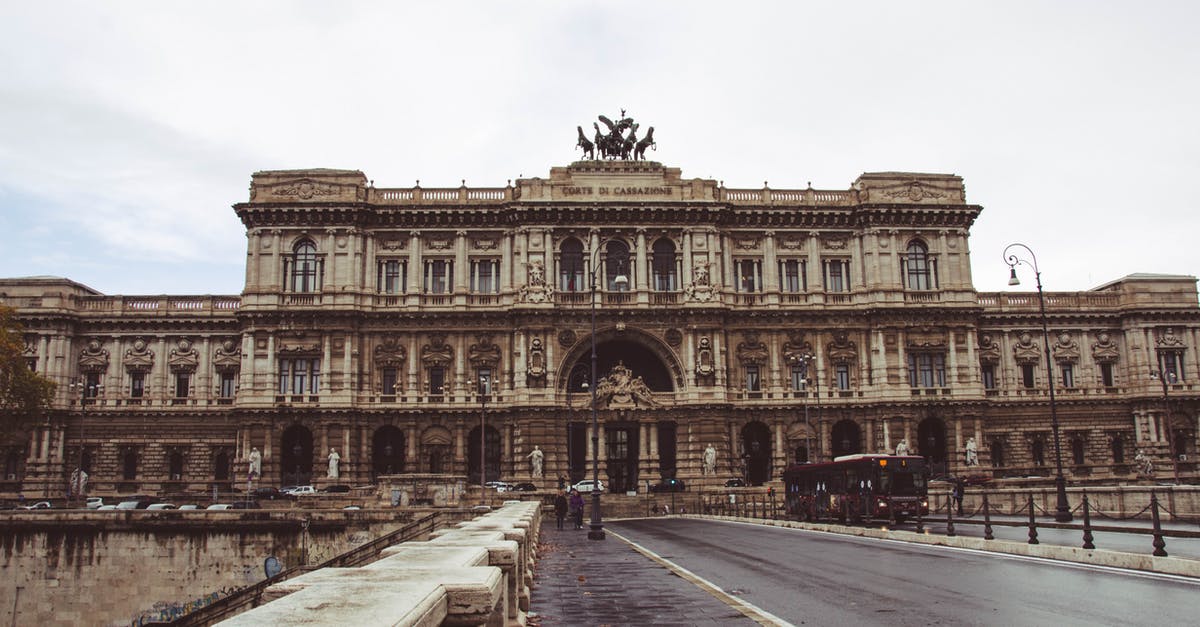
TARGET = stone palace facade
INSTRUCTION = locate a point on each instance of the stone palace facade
(772, 325)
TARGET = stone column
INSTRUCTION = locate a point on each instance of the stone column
(461, 263)
(507, 262)
(887, 437)
(686, 252)
(642, 282)
(412, 456)
(770, 273)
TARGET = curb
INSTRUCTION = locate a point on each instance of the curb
(1096, 557)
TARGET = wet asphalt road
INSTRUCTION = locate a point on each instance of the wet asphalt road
(818, 578)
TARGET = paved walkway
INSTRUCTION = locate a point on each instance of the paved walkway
(590, 582)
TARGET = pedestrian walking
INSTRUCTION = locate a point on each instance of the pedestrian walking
(576, 505)
(560, 508)
(959, 487)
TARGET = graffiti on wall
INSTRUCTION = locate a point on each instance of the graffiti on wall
(165, 611)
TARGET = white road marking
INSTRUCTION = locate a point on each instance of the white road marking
(752, 611)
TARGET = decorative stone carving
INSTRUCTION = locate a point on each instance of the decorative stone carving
(391, 354)
(926, 337)
(832, 243)
(1026, 351)
(299, 345)
(1166, 339)
(619, 388)
(1066, 349)
(393, 243)
(139, 358)
(30, 349)
(439, 243)
(184, 357)
(701, 289)
(795, 348)
(536, 290)
(915, 192)
(437, 352)
(747, 243)
(485, 243)
(841, 350)
(751, 350)
(484, 353)
(989, 351)
(1105, 350)
(228, 356)
(93, 358)
(705, 365)
(674, 337)
(566, 338)
(305, 189)
(536, 362)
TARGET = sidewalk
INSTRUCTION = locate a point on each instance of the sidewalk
(606, 582)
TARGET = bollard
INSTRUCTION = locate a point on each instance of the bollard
(950, 520)
(1087, 524)
(987, 520)
(1032, 525)
(1159, 543)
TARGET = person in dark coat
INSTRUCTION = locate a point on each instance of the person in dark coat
(576, 504)
(560, 508)
(959, 487)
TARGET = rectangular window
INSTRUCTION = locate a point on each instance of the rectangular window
(181, 384)
(485, 276)
(438, 273)
(392, 276)
(1068, 376)
(1170, 363)
(837, 275)
(228, 384)
(437, 380)
(1027, 379)
(484, 376)
(792, 276)
(798, 382)
(299, 376)
(753, 384)
(662, 268)
(749, 275)
(926, 370)
(989, 376)
(137, 384)
(92, 388)
(1106, 375)
(842, 373)
(388, 381)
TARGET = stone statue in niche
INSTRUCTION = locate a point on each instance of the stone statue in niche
(710, 460)
(536, 456)
(902, 448)
(255, 463)
(972, 452)
(537, 361)
(701, 288)
(705, 366)
(334, 461)
(536, 290)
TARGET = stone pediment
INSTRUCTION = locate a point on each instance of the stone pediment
(139, 358)
(601, 180)
(910, 187)
(317, 185)
(228, 356)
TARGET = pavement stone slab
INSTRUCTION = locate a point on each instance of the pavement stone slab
(592, 582)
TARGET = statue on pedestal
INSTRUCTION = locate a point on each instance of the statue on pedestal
(535, 461)
(334, 460)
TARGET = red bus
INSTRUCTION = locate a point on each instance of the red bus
(857, 487)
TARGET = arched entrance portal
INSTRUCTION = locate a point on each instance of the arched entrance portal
(492, 452)
(931, 440)
(387, 452)
(846, 438)
(756, 452)
(297, 456)
(641, 360)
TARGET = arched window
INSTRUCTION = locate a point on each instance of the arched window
(129, 465)
(1077, 450)
(304, 274)
(175, 463)
(997, 452)
(662, 266)
(616, 263)
(570, 266)
(918, 267)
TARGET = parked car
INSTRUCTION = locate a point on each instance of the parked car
(94, 502)
(107, 508)
(267, 494)
(586, 486)
(245, 505)
(160, 506)
(523, 487)
(301, 490)
(735, 483)
(336, 489)
(182, 507)
(140, 501)
(499, 486)
(38, 505)
(668, 485)
(219, 506)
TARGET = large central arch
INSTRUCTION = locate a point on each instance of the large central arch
(644, 354)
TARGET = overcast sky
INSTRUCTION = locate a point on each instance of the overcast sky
(127, 129)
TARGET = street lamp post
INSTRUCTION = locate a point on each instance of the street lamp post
(804, 360)
(1062, 511)
(597, 528)
(1168, 378)
(483, 390)
(86, 391)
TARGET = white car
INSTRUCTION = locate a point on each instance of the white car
(220, 506)
(94, 502)
(188, 507)
(160, 506)
(107, 508)
(586, 486)
(301, 490)
(38, 505)
(498, 486)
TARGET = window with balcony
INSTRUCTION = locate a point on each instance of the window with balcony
(437, 381)
(1170, 364)
(837, 275)
(228, 385)
(439, 276)
(753, 382)
(748, 275)
(926, 370)
(799, 382)
(1068, 375)
(616, 264)
(305, 269)
(664, 268)
(988, 371)
(793, 276)
(841, 375)
(388, 380)
(1028, 381)
(392, 276)
(182, 384)
(1106, 375)
(919, 269)
(570, 266)
(485, 276)
(299, 375)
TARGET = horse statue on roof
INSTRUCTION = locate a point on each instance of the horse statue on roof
(639, 150)
(589, 149)
(615, 143)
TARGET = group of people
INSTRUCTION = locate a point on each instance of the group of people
(573, 503)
